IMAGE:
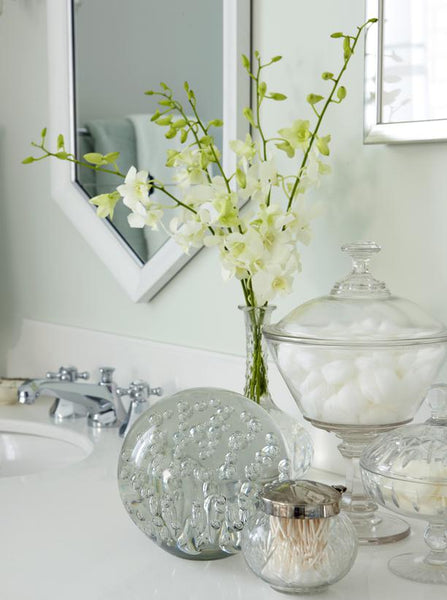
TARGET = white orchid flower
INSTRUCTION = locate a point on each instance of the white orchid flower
(244, 149)
(259, 179)
(135, 188)
(188, 234)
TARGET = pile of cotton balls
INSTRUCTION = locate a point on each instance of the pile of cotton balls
(376, 386)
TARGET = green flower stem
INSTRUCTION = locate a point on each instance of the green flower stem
(216, 158)
(256, 382)
(258, 111)
(323, 112)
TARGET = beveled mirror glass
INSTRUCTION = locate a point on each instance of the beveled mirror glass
(405, 71)
(103, 55)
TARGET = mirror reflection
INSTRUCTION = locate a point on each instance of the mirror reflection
(121, 50)
(414, 59)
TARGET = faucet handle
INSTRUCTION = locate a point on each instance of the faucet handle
(138, 392)
(67, 374)
(106, 375)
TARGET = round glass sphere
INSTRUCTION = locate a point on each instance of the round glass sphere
(191, 467)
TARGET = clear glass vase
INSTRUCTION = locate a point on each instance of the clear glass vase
(297, 440)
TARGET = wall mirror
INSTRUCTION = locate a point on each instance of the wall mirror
(406, 71)
(103, 55)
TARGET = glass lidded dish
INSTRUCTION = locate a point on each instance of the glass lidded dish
(359, 362)
(405, 470)
(299, 541)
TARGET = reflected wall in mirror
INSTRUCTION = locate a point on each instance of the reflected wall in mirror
(103, 55)
(121, 50)
(406, 71)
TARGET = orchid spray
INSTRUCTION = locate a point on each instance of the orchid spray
(259, 245)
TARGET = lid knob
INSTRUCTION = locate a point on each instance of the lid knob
(437, 400)
(360, 282)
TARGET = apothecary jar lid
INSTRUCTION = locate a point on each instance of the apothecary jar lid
(359, 310)
(302, 499)
(414, 453)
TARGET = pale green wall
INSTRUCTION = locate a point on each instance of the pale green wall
(396, 195)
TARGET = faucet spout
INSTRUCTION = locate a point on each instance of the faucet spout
(96, 399)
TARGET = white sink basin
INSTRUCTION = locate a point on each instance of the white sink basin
(28, 447)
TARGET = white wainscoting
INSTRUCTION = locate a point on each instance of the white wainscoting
(44, 346)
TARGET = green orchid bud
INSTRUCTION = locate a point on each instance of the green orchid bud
(206, 140)
(241, 178)
(248, 114)
(164, 86)
(216, 123)
(28, 160)
(323, 145)
(62, 155)
(183, 136)
(277, 96)
(94, 158)
(337, 34)
(149, 93)
(257, 55)
(262, 89)
(60, 141)
(155, 116)
(186, 86)
(327, 75)
(43, 133)
(373, 20)
(245, 62)
(111, 157)
(179, 123)
(341, 92)
(165, 102)
(171, 133)
(276, 59)
(165, 120)
(314, 99)
(347, 50)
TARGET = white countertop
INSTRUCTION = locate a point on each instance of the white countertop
(66, 536)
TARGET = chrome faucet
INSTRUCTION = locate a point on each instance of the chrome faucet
(99, 402)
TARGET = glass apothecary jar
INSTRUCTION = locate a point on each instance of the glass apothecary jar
(299, 542)
(406, 471)
(359, 362)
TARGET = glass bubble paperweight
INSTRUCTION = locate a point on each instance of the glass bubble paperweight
(406, 471)
(359, 362)
(191, 467)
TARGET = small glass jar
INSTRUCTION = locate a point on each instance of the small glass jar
(406, 471)
(299, 541)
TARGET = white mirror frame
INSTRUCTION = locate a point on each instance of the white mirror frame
(376, 132)
(140, 281)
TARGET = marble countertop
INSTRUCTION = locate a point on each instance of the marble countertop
(65, 535)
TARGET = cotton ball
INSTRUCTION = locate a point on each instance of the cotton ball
(379, 414)
(335, 410)
(313, 402)
(428, 499)
(312, 381)
(310, 359)
(405, 361)
(338, 371)
(379, 385)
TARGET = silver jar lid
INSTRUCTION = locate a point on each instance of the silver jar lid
(302, 499)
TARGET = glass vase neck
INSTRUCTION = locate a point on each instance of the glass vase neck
(256, 376)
